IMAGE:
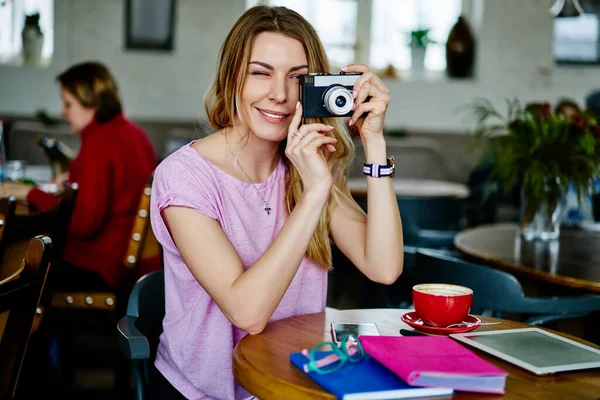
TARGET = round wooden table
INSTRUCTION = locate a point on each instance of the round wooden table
(262, 366)
(571, 261)
(414, 188)
(42, 176)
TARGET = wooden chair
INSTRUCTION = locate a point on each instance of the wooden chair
(142, 246)
(18, 302)
(139, 330)
(96, 313)
(8, 206)
(499, 292)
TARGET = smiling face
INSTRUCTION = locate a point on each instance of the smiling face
(76, 115)
(270, 91)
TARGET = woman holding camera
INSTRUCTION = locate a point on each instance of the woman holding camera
(245, 215)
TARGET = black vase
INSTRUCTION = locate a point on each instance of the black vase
(460, 50)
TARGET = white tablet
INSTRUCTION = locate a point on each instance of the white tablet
(533, 349)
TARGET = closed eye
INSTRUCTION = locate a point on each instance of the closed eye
(259, 73)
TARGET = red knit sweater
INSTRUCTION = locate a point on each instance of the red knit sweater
(113, 165)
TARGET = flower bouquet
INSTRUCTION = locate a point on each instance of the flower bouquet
(544, 152)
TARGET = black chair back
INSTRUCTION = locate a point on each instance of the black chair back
(147, 303)
(19, 299)
(139, 330)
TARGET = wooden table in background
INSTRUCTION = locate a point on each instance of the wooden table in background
(42, 175)
(261, 363)
(572, 261)
(414, 188)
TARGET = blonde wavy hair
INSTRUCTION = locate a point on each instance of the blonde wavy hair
(222, 106)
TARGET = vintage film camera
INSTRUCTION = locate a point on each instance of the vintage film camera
(327, 95)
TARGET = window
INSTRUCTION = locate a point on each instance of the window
(334, 21)
(576, 39)
(392, 22)
(12, 19)
(384, 24)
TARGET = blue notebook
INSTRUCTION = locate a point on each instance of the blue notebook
(367, 380)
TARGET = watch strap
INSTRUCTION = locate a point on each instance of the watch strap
(378, 171)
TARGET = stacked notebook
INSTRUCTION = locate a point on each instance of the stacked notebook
(435, 361)
(367, 379)
(406, 367)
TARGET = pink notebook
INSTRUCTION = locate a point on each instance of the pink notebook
(435, 361)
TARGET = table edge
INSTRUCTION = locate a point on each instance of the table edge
(238, 358)
(567, 281)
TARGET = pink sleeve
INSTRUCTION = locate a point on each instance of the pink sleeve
(173, 198)
(178, 184)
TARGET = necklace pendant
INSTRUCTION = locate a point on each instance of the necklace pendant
(267, 209)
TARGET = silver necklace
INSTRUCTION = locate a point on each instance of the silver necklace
(267, 207)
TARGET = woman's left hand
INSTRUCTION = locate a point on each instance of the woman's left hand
(368, 85)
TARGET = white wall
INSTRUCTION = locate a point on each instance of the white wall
(153, 85)
(514, 58)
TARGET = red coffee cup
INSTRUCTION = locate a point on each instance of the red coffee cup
(441, 304)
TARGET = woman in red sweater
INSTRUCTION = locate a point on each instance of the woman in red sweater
(114, 163)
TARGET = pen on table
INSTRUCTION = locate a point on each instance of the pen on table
(406, 332)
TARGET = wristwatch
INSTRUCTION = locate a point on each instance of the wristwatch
(378, 171)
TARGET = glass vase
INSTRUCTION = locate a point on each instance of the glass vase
(539, 216)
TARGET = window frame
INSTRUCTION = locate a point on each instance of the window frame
(578, 63)
(471, 9)
(50, 33)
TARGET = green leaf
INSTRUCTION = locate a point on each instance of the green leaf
(536, 146)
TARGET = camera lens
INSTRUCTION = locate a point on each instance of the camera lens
(338, 100)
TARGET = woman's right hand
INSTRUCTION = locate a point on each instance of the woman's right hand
(61, 179)
(305, 146)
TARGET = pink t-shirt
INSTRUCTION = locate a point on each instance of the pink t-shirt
(196, 346)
